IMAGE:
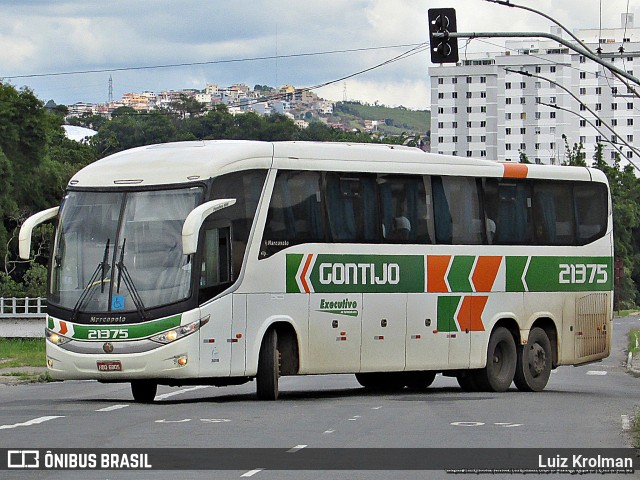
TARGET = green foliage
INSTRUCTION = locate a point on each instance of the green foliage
(625, 197)
(395, 121)
(576, 157)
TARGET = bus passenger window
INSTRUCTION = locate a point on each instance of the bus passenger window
(507, 205)
(591, 211)
(553, 214)
(351, 208)
(457, 211)
(403, 207)
(295, 213)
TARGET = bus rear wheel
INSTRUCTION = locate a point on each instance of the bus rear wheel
(268, 367)
(534, 362)
(381, 381)
(467, 381)
(144, 391)
(501, 362)
(419, 380)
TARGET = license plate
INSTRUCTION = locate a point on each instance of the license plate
(110, 366)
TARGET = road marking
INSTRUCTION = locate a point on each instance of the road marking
(180, 392)
(297, 448)
(29, 423)
(328, 431)
(376, 408)
(626, 422)
(251, 473)
(596, 372)
(215, 420)
(112, 408)
(174, 421)
(467, 424)
(508, 424)
(354, 418)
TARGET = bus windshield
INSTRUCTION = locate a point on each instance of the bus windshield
(121, 251)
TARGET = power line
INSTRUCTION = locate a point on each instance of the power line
(211, 62)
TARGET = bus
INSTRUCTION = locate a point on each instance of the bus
(221, 262)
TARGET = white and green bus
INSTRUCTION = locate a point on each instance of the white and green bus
(220, 262)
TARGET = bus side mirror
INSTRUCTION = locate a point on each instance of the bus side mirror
(195, 219)
(24, 238)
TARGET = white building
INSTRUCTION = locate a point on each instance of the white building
(482, 106)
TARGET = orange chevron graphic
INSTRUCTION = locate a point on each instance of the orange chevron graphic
(470, 314)
(303, 277)
(63, 328)
(437, 266)
(485, 273)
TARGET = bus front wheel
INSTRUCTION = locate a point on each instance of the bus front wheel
(144, 391)
(268, 367)
(501, 362)
(534, 362)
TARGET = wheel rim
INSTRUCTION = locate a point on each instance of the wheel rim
(537, 360)
(498, 358)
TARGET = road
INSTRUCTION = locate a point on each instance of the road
(582, 407)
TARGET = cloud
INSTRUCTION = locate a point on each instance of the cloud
(41, 36)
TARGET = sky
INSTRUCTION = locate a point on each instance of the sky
(264, 42)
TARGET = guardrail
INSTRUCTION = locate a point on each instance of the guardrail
(22, 317)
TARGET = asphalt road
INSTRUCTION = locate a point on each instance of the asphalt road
(582, 407)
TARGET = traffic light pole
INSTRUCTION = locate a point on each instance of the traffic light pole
(550, 36)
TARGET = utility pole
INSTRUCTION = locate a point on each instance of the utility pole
(110, 89)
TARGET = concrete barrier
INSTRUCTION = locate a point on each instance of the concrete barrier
(32, 326)
(22, 317)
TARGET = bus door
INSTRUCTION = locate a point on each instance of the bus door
(384, 329)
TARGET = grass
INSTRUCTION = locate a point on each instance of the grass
(22, 352)
(634, 340)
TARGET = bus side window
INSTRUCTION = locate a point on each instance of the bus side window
(295, 213)
(457, 211)
(591, 205)
(553, 214)
(507, 205)
(246, 188)
(351, 208)
(403, 207)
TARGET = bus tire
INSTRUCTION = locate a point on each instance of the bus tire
(268, 367)
(467, 381)
(381, 381)
(419, 380)
(501, 362)
(144, 391)
(534, 362)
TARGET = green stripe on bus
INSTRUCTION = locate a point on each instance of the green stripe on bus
(447, 307)
(459, 273)
(134, 331)
(360, 273)
(293, 265)
(559, 274)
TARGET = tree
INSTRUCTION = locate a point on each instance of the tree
(187, 106)
(576, 157)
(625, 197)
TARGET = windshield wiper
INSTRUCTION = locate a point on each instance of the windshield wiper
(123, 273)
(102, 269)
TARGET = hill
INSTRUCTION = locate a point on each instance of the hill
(392, 121)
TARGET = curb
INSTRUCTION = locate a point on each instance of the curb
(633, 364)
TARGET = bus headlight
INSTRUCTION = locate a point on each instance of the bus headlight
(179, 332)
(56, 338)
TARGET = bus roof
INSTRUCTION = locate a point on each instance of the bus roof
(182, 162)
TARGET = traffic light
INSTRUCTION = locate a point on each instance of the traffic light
(442, 22)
